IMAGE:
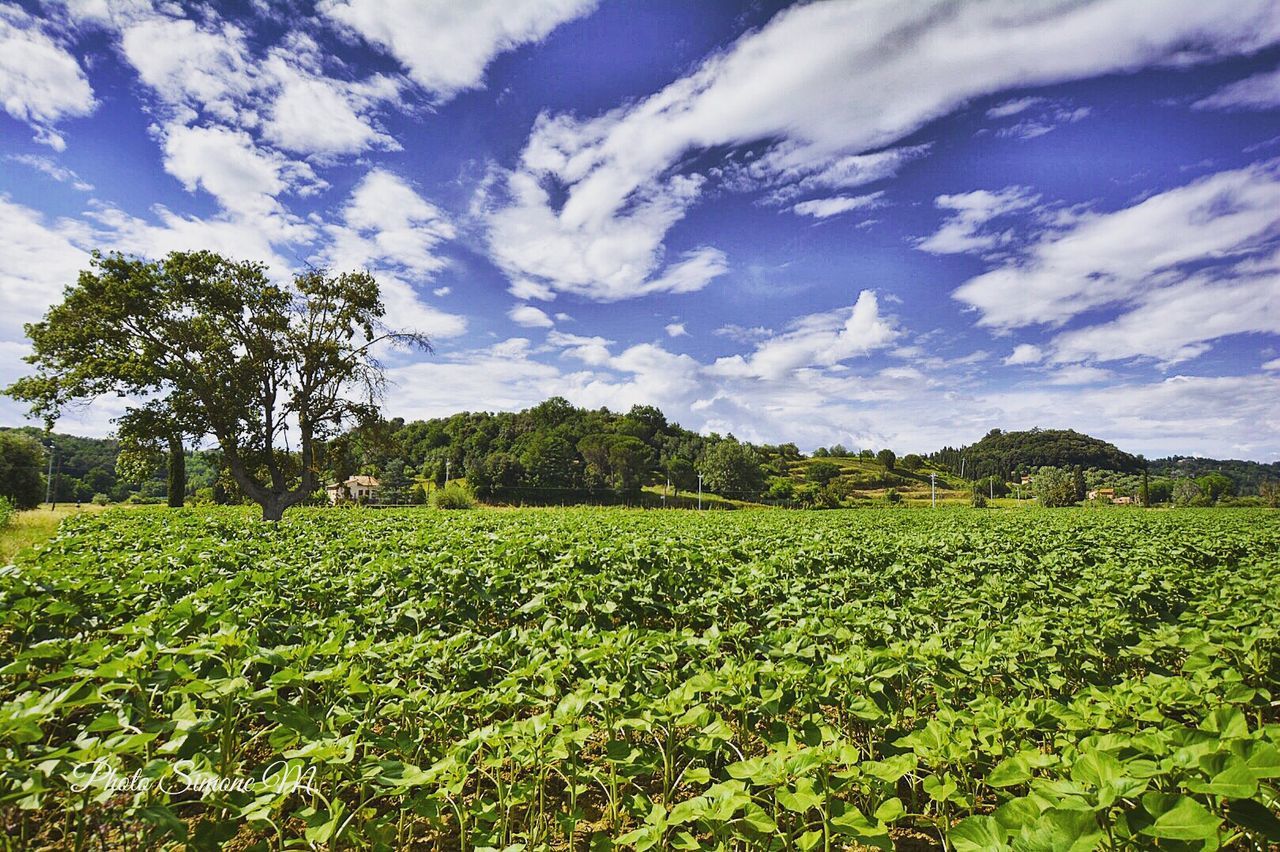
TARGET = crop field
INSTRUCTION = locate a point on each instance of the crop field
(531, 679)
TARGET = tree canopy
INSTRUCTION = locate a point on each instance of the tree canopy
(214, 347)
(1004, 453)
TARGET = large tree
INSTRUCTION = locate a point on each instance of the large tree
(215, 347)
(732, 469)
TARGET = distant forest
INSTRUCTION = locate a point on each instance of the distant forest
(555, 452)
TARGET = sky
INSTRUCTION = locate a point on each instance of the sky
(865, 222)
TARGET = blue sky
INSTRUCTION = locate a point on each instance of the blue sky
(873, 223)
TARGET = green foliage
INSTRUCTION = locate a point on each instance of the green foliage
(7, 511)
(1215, 486)
(991, 486)
(1004, 453)
(21, 459)
(453, 496)
(216, 348)
(649, 680)
(887, 459)
(782, 489)
(1054, 487)
(822, 472)
(101, 500)
(893, 496)
(732, 469)
(911, 462)
(1247, 477)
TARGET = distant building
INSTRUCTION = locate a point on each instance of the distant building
(1101, 494)
(1123, 501)
(357, 489)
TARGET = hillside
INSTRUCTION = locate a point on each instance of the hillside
(1002, 453)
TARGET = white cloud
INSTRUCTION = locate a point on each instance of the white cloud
(37, 260)
(676, 329)
(210, 71)
(821, 208)
(388, 228)
(47, 166)
(190, 67)
(1024, 353)
(1095, 259)
(791, 168)
(1049, 118)
(441, 292)
(1012, 107)
(446, 45)
(822, 82)
(589, 350)
(1273, 364)
(311, 113)
(244, 239)
(1261, 92)
(1078, 374)
(816, 340)
(529, 317)
(385, 221)
(41, 83)
(225, 163)
(959, 233)
(1177, 323)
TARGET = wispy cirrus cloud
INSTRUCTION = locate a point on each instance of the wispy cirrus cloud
(1101, 258)
(964, 229)
(1259, 92)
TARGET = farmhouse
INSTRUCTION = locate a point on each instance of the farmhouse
(1101, 494)
(355, 488)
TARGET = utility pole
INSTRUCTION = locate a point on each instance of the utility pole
(699, 491)
(48, 489)
(446, 471)
(933, 491)
(962, 467)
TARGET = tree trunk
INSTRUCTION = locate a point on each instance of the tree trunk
(177, 472)
(273, 510)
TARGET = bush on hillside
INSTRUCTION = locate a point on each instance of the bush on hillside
(453, 496)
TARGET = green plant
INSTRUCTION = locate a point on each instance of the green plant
(453, 496)
(566, 679)
(7, 511)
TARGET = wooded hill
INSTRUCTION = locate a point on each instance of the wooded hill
(1005, 454)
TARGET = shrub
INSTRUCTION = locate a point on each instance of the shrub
(7, 511)
(979, 500)
(453, 496)
(101, 499)
(893, 497)
(822, 472)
